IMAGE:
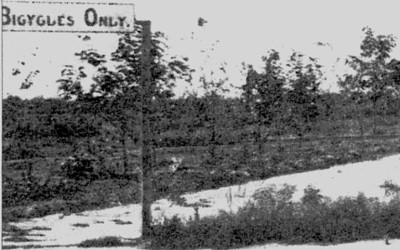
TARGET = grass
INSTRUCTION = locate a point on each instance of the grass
(15, 230)
(280, 157)
(237, 163)
(18, 234)
(41, 228)
(98, 194)
(273, 217)
(18, 239)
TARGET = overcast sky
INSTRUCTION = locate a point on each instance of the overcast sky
(238, 31)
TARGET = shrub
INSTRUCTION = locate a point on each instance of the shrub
(109, 241)
(272, 217)
(311, 196)
(19, 239)
(80, 225)
(78, 168)
(121, 222)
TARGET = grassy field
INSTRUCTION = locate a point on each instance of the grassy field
(239, 163)
(40, 186)
(47, 190)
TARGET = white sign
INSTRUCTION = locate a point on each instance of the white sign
(67, 16)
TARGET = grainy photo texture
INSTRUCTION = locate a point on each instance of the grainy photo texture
(173, 124)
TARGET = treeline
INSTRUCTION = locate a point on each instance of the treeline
(29, 126)
(284, 100)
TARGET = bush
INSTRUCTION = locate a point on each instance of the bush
(78, 168)
(274, 217)
(109, 241)
(21, 151)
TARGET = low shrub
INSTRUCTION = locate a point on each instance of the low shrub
(121, 222)
(109, 241)
(273, 217)
(78, 168)
(18, 239)
(80, 225)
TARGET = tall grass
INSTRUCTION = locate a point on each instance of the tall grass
(273, 217)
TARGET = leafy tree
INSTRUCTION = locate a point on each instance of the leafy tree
(140, 82)
(394, 67)
(263, 94)
(213, 115)
(304, 80)
(373, 80)
(394, 99)
(116, 89)
(331, 109)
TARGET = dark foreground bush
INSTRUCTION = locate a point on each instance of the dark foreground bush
(274, 218)
(109, 241)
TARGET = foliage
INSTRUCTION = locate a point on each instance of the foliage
(78, 168)
(100, 128)
(275, 218)
(304, 80)
(109, 241)
(119, 89)
(263, 93)
(374, 81)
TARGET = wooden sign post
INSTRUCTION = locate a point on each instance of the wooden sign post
(147, 133)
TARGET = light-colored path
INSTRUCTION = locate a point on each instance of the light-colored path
(344, 180)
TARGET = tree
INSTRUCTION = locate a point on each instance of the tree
(394, 100)
(372, 82)
(143, 76)
(304, 80)
(213, 115)
(263, 94)
(394, 67)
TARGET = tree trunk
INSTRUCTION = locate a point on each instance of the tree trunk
(213, 127)
(259, 142)
(213, 147)
(375, 117)
(124, 153)
(360, 120)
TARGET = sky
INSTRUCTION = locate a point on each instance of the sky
(236, 31)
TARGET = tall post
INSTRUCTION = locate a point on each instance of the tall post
(147, 133)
